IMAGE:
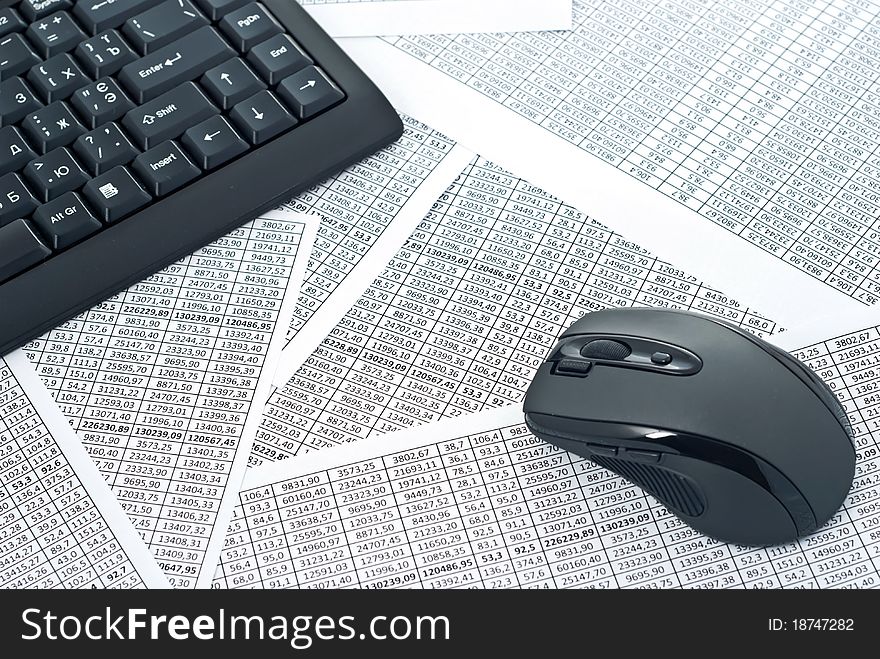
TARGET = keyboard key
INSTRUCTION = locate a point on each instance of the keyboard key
(65, 221)
(164, 168)
(54, 174)
(249, 25)
(20, 248)
(231, 83)
(52, 126)
(101, 102)
(115, 195)
(182, 60)
(216, 9)
(15, 199)
(99, 15)
(34, 10)
(16, 56)
(168, 115)
(10, 22)
(57, 78)
(278, 58)
(104, 54)
(57, 33)
(16, 100)
(261, 117)
(15, 153)
(213, 142)
(104, 148)
(309, 92)
(162, 24)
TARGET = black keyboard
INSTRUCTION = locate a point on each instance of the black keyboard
(133, 132)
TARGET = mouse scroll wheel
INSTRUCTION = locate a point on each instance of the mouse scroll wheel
(606, 349)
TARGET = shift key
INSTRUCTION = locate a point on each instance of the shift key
(169, 115)
(179, 61)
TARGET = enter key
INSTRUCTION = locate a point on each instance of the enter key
(169, 115)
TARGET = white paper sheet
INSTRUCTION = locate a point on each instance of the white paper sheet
(731, 138)
(479, 502)
(361, 18)
(467, 310)
(367, 212)
(60, 525)
(164, 383)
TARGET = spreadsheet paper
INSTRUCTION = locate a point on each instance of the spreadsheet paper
(478, 501)
(164, 383)
(465, 312)
(60, 525)
(467, 309)
(746, 125)
(367, 212)
(360, 18)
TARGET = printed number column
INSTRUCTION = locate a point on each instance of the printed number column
(24, 562)
(508, 500)
(471, 494)
(434, 527)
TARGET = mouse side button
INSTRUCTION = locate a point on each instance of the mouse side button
(573, 367)
(641, 456)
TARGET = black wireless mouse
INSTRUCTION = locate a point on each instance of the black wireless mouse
(736, 437)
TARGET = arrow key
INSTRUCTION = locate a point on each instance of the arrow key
(262, 117)
(231, 83)
(309, 92)
(213, 142)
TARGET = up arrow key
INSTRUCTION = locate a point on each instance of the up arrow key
(310, 83)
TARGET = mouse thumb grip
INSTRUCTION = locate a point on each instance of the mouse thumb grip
(714, 500)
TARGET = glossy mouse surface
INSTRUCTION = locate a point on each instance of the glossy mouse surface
(736, 437)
